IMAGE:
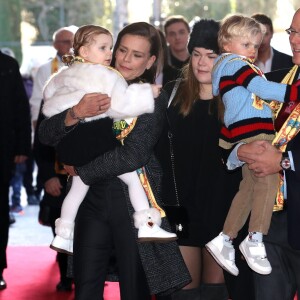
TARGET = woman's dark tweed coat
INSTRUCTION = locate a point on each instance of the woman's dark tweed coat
(163, 264)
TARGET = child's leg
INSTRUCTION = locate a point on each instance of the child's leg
(253, 249)
(221, 246)
(73, 199)
(264, 195)
(64, 226)
(146, 218)
(241, 205)
(136, 191)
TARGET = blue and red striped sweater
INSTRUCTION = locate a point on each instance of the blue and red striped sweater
(237, 80)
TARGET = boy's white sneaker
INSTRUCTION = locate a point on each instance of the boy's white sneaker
(256, 257)
(223, 254)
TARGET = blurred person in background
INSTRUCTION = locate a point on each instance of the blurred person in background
(54, 179)
(62, 42)
(167, 72)
(269, 59)
(177, 32)
(23, 175)
(15, 141)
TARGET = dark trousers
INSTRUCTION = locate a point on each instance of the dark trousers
(4, 223)
(23, 176)
(284, 279)
(103, 224)
(17, 183)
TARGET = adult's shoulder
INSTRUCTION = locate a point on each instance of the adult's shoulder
(169, 74)
(7, 60)
(281, 60)
(278, 75)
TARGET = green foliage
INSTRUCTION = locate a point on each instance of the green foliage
(217, 9)
(10, 32)
(200, 8)
(49, 15)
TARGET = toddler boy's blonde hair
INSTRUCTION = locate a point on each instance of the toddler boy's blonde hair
(235, 26)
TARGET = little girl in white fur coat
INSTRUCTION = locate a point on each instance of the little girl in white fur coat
(64, 90)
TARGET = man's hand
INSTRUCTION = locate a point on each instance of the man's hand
(53, 186)
(249, 152)
(261, 157)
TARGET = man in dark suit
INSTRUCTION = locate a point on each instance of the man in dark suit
(269, 59)
(54, 179)
(15, 141)
(283, 240)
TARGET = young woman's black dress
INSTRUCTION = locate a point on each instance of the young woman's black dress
(205, 187)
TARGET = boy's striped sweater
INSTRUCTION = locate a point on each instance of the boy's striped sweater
(237, 81)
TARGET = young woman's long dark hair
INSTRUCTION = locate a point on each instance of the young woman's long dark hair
(150, 33)
(188, 93)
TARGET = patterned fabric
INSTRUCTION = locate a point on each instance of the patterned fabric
(54, 65)
(121, 129)
(148, 190)
(287, 132)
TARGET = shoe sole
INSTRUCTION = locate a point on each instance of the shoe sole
(60, 250)
(211, 248)
(242, 249)
(157, 240)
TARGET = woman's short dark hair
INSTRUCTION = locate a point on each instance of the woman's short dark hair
(149, 32)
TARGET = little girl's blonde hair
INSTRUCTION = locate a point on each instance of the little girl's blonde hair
(237, 26)
(84, 36)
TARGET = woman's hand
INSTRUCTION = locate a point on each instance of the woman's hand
(261, 157)
(90, 105)
(70, 170)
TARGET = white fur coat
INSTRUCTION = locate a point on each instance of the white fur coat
(65, 88)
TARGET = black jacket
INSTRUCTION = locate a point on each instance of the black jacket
(15, 123)
(281, 60)
(292, 177)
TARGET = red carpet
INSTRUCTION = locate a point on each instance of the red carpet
(32, 274)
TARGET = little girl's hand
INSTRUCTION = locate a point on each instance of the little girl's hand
(156, 89)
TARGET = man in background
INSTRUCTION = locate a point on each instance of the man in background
(177, 32)
(62, 42)
(15, 141)
(269, 59)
